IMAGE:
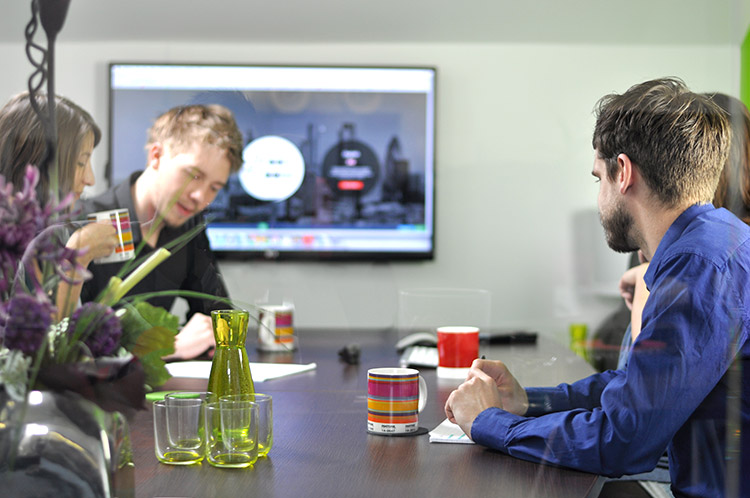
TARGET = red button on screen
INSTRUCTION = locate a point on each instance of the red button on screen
(351, 185)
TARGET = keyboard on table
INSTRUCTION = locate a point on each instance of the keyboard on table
(419, 356)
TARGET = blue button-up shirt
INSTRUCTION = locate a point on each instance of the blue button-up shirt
(687, 385)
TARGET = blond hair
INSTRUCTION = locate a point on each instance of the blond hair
(180, 128)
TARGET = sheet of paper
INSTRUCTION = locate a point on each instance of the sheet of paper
(448, 432)
(260, 371)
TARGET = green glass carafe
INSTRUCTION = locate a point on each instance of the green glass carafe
(230, 368)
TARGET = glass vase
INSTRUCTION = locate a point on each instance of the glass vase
(60, 444)
(230, 368)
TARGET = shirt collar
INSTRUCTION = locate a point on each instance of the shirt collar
(673, 234)
(124, 198)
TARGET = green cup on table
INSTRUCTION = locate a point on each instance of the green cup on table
(179, 423)
(178, 431)
(265, 418)
(232, 433)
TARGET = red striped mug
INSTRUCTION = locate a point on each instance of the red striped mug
(395, 396)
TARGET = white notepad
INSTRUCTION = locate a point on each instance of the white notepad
(448, 432)
(260, 371)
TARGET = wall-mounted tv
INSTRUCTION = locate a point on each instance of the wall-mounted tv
(338, 161)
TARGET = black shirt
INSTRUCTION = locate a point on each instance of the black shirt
(193, 267)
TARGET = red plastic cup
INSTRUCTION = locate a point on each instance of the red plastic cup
(457, 348)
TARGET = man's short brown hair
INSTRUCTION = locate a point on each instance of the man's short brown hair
(185, 126)
(679, 140)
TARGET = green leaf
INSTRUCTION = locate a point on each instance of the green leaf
(148, 333)
(151, 346)
(141, 317)
(155, 369)
(133, 324)
(158, 317)
(160, 339)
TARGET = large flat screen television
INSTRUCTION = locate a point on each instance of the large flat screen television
(338, 161)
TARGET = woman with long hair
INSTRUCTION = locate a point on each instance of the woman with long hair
(23, 142)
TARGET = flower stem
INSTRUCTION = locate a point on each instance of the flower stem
(117, 288)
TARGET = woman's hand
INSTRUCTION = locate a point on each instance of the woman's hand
(96, 240)
(100, 238)
(631, 279)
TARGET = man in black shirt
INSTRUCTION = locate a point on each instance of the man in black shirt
(191, 152)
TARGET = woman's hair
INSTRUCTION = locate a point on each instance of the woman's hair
(733, 191)
(23, 141)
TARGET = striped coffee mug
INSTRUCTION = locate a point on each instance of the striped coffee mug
(120, 219)
(395, 396)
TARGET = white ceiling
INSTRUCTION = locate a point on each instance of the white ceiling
(351, 21)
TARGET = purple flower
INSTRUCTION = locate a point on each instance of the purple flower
(49, 247)
(22, 219)
(24, 321)
(98, 327)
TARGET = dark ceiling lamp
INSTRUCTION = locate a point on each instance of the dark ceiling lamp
(52, 15)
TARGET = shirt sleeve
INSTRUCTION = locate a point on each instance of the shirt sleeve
(621, 422)
(585, 393)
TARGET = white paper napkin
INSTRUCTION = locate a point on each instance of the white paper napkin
(260, 371)
(448, 432)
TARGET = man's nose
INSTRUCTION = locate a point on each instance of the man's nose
(197, 194)
(202, 196)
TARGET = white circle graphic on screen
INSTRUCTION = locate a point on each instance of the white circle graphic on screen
(273, 168)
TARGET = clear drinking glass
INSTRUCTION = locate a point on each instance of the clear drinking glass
(178, 431)
(232, 433)
(425, 309)
(265, 421)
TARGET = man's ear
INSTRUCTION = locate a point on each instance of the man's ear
(155, 153)
(626, 175)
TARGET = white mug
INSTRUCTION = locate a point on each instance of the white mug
(276, 328)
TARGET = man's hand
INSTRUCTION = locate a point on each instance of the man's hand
(194, 339)
(489, 384)
(512, 394)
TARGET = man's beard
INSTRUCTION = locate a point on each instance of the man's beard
(617, 229)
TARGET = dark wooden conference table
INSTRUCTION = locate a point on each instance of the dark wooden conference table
(322, 449)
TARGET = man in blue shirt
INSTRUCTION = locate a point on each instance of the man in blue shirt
(659, 150)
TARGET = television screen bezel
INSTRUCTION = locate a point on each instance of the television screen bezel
(301, 256)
